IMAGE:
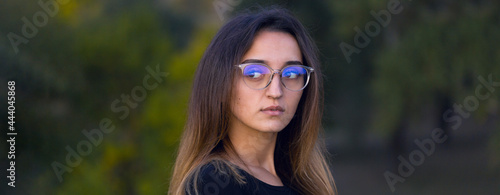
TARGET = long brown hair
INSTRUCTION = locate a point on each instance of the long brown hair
(298, 152)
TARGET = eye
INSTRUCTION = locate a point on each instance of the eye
(293, 72)
(254, 72)
(254, 75)
(291, 75)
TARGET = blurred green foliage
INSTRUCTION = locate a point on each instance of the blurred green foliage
(92, 52)
(438, 54)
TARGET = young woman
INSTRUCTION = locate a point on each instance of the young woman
(255, 113)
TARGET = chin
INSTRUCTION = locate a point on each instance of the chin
(273, 128)
(271, 131)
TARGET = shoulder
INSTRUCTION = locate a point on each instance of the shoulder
(217, 178)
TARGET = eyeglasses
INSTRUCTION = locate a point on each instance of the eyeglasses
(258, 76)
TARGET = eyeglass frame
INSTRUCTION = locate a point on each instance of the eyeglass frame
(308, 69)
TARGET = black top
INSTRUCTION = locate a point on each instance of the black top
(216, 182)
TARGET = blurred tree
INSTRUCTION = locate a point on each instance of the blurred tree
(69, 74)
(436, 59)
(115, 52)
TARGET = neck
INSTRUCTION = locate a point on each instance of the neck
(254, 148)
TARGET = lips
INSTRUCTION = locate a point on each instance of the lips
(273, 110)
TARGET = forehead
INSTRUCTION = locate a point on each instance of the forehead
(274, 48)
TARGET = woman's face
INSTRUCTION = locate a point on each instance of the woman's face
(272, 108)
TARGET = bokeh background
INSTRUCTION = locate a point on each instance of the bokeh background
(408, 79)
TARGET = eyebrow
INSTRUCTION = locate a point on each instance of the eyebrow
(293, 62)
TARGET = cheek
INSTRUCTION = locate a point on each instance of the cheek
(294, 99)
(240, 98)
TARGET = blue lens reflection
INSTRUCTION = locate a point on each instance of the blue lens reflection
(255, 71)
(293, 72)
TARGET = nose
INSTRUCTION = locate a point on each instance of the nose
(274, 90)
